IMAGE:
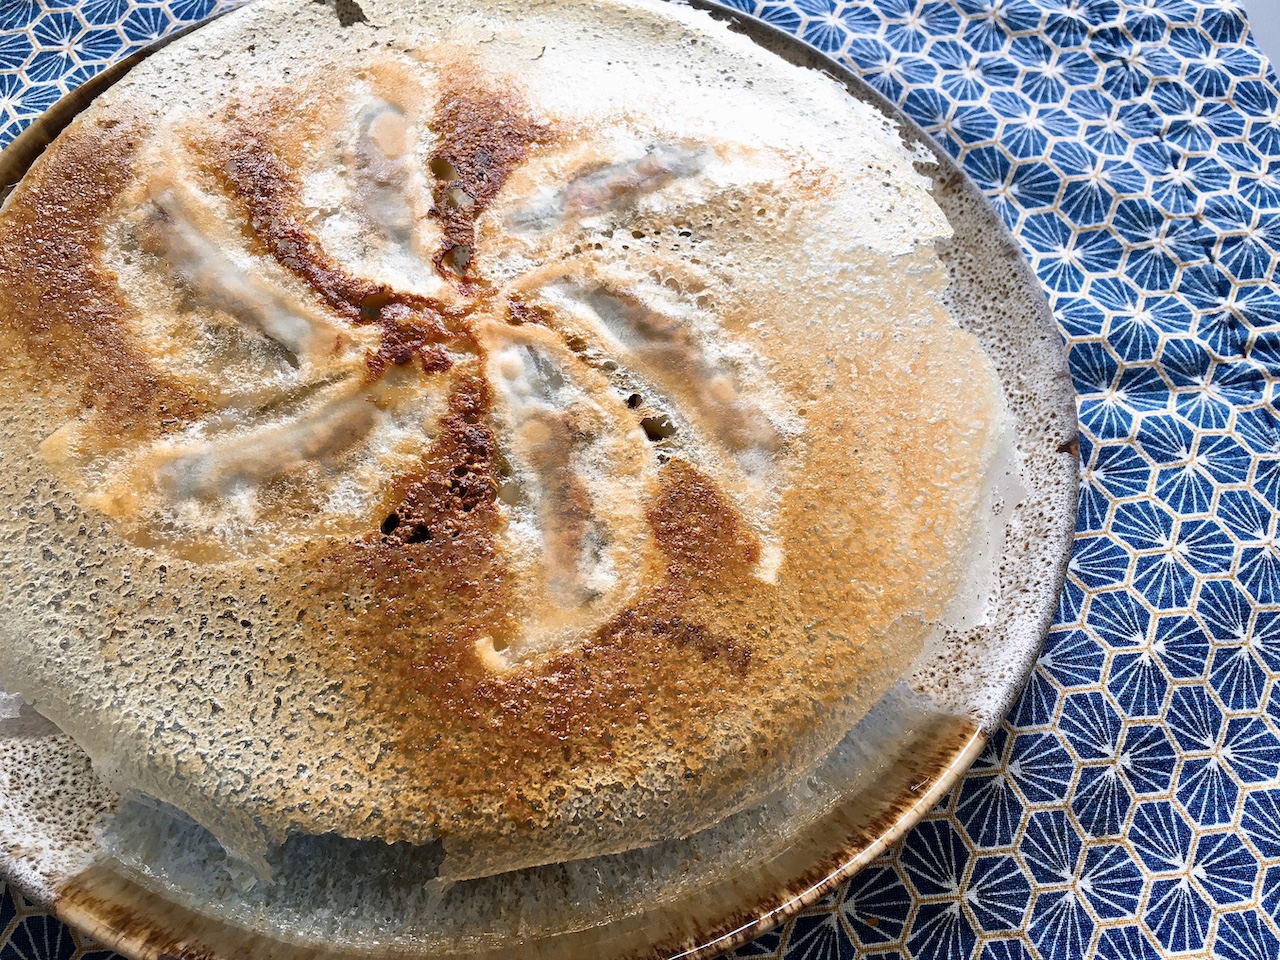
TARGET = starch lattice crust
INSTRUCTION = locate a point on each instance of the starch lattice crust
(467, 445)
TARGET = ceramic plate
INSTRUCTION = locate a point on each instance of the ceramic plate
(151, 884)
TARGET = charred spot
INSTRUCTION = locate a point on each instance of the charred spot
(484, 136)
(519, 313)
(411, 325)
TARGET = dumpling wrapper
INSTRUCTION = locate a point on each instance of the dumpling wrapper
(451, 438)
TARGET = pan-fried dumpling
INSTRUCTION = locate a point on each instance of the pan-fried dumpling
(428, 431)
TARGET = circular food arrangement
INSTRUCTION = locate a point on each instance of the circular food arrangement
(484, 482)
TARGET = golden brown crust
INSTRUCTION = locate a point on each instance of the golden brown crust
(695, 685)
(246, 161)
(481, 135)
(62, 303)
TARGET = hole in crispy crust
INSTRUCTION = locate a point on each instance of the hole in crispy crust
(389, 524)
(459, 198)
(634, 400)
(658, 428)
(442, 169)
(509, 493)
(371, 305)
(458, 259)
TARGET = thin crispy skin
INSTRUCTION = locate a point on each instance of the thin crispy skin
(60, 306)
(369, 678)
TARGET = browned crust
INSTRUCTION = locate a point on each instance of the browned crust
(436, 577)
(245, 162)
(438, 588)
(61, 305)
(482, 134)
(671, 688)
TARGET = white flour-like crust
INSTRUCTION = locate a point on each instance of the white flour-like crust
(466, 444)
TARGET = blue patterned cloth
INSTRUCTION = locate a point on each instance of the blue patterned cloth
(1129, 807)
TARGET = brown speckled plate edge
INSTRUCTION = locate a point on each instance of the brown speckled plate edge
(909, 815)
